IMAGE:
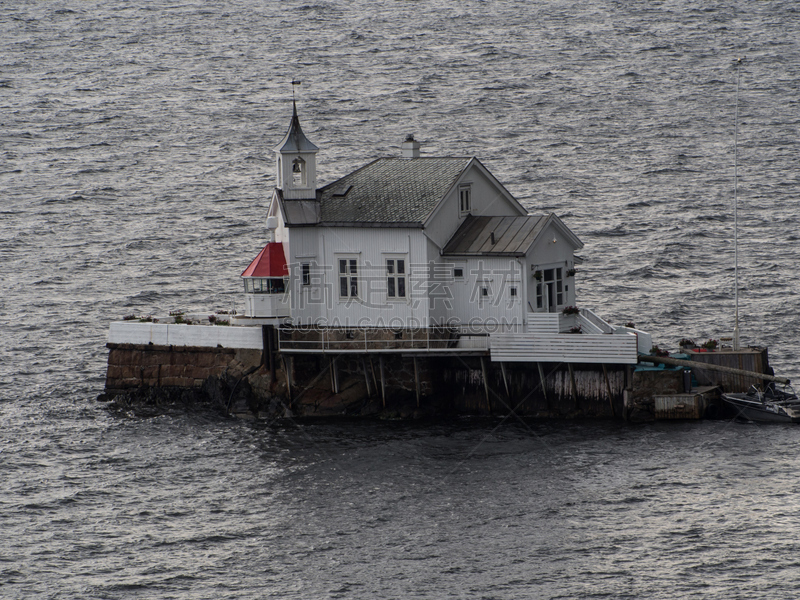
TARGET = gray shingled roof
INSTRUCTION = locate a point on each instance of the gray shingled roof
(512, 235)
(390, 190)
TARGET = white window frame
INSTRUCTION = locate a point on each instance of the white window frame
(465, 198)
(555, 276)
(484, 291)
(514, 293)
(351, 276)
(463, 268)
(394, 279)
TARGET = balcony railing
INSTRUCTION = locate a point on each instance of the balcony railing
(324, 340)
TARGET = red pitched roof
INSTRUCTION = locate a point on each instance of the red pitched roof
(270, 262)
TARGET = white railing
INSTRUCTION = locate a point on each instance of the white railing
(579, 348)
(544, 322)
(644, 339)
(378, 340)
(591, 323)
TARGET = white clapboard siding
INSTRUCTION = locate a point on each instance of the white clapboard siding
(185, 335)
(543, 323)
(580, 348)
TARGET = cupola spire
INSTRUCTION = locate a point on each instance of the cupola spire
(296, 159)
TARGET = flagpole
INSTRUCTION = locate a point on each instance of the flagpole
(736, 344)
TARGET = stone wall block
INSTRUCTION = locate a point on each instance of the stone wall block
(150, 372)
(124, 356)
(204, 359)
(131, 372)
(222, 360)
(195, 372)
(249, 357)
(157, 357)
(171, 371)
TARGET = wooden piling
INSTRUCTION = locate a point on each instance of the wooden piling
(542, 382)
(505, 379)
(608, 389)
(372, 372)
(416, 379)
(486, 383)
(288, 372)
(335, 374)
(366, 377)
(383, 380)
(574, 386)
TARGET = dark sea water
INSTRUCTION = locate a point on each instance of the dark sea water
(135, 167)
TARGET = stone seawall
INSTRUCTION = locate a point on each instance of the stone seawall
(394, 386)
(133, 366)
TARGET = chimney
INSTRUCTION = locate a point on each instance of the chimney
(410, 148)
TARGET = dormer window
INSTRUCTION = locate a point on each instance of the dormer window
(465, 199)
(298, 172)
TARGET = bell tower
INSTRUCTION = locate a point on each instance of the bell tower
(296, 162)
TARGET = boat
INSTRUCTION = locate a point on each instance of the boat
(769, 405)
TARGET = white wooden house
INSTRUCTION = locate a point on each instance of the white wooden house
(412, 241)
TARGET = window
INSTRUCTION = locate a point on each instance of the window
(465, 198)
(274, 286)
(512, 292)
(395, 278)
(458, 272)
(271, 285)
(305, 275)
(348, 277)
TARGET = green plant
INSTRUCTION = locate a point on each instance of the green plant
(537, 275)
(630, 325)
(147, 319)
(656, 351)
(179, 318)
(571, 272)
(711, 344)
(576, 329)
(571, 310)
(221, 322)
(686, 342)
(212, 319)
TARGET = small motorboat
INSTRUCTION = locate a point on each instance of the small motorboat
(769, 405)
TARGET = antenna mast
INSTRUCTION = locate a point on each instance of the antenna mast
(736, 208)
